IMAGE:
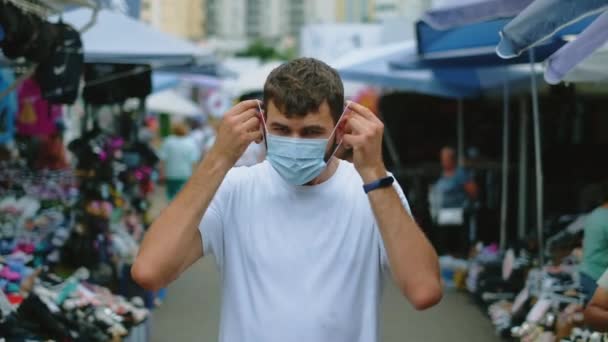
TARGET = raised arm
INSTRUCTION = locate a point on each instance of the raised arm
(413, 261)
(173, 242)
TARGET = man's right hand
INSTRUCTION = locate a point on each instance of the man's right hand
(239, 128)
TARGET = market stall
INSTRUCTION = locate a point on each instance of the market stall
(528, 296)
(71, 219)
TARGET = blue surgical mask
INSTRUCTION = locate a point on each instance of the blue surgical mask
(298, 160)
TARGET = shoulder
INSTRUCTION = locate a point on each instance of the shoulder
(243, 175)
(348, 173)
(598, 215)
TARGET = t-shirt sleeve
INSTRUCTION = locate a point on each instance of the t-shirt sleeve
(603, 281)
(212, 224)
(383, 255)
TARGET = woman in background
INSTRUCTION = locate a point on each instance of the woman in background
(178, 155)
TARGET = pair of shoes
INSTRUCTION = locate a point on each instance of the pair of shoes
(9, 274)
(34, 310)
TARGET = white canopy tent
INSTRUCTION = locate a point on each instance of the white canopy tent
(171, 102)
(116, 38)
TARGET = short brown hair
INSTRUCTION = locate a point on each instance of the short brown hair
(179, 129)
(300, 87)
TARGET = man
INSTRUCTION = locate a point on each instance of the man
(452, 195)
(596, 313)
(595, 245)
(301, 247)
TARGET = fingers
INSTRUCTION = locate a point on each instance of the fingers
(242, 107)
(255, 136)
(356, 124)
(362, 111)
(238, 119)
(252, 124)
(352, 141)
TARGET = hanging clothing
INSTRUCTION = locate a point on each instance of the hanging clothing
(541, 20)
(8, 107)
(37, 117)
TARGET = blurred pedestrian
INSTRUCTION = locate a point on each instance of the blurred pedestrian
(595, 246)
(451, 200)
(178, 155)
(202, 134)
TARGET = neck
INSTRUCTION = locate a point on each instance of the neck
(605, 205)
(332, 166)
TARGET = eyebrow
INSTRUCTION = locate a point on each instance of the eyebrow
(278, 125)
(314, 128)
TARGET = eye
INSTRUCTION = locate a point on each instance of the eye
(312, 132)
(281, 129)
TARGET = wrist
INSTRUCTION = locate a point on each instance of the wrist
(217, 161)
(372, 174)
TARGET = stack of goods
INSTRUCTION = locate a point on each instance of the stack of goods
(531, 302)
(48, 307)
(47, 230)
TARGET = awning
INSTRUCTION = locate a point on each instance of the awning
(452, 17)
(475, 44)
(574, 53)
(544, 20)
(377, 67)
(591, 70)
(251, 81)
(467, 35)
(116, 38)
(171, 102)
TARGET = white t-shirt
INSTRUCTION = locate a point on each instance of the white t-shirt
(179, 154)
(252, 155)
(297, 263)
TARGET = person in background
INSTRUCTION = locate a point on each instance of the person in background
(596, 312)
(178, 155)
(452, 197)
(595, 246)
(52, 152)
(201, 133)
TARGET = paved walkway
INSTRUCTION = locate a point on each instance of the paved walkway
(191, 313)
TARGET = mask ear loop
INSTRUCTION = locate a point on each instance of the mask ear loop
(335, 129)
(264, 129)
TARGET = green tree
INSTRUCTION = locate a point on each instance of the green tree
(265, 52)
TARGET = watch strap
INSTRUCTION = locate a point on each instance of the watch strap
(378, 184)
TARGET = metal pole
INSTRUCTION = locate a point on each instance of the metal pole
(460, 128)
(505, 168)
(538, 158)
(392, 149)
(523, 170)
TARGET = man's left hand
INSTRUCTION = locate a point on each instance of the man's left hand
(364, 133)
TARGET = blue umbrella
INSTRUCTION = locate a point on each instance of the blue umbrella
(543, 20)
(385, 66)
(451, 17)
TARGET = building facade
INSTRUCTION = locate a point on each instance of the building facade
(182, 18)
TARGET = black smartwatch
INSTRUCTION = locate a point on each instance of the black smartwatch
(380, 183)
